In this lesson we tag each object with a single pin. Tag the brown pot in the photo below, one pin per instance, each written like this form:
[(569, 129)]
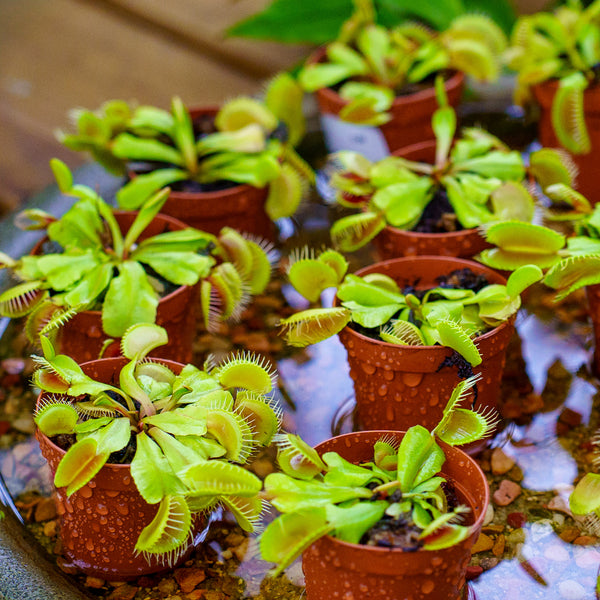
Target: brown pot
[(593, 295), (101, 522), (336, 569), (411, 113), (587, 163), (397, 387), (241, 207), (393, 242), (82, 336)]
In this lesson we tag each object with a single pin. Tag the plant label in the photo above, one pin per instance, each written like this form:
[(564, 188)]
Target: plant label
[(340, 135)]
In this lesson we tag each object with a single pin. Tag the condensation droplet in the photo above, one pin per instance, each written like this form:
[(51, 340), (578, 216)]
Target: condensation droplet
[(412, 379), (428, 587)]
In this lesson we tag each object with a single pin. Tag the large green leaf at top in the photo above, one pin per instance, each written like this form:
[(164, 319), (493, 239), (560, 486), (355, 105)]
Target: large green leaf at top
[(419, 458), (112, 437), (129, 300), (507, 166), (371, 316), (255, 170), (152, 473), (355, 288), (131, 147), (177, 422), (181, 268), (188, 239), (343, 472), (403, 203), (468, 213)]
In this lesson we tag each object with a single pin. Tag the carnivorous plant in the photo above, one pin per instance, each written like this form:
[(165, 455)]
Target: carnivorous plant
[(253, 143), (563, 45), (475, 179), (92, 265), (187, 435), (449, 316), (373, 64), (401, 487)]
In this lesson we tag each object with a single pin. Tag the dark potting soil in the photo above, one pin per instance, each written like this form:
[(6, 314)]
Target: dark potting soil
[(401, 531), (438, 216)]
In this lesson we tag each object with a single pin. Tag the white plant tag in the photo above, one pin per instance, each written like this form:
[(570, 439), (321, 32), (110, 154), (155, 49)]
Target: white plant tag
[(340, 135)]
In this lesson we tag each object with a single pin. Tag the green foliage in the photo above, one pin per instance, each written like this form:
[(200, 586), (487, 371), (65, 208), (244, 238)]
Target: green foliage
[(100, 268), (313, 22), (338, 498), (374, 63), (450, 317), (571, 262), (246, 147), (184, 432), (483, 180), (564, 46)]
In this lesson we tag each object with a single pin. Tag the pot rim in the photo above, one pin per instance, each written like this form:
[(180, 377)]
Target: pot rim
[(456, 79), (428, 349), (170, 220), (380, 550), (116, 359)]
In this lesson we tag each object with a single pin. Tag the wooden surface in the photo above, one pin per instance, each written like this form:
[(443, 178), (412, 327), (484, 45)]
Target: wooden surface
[(60, 54)]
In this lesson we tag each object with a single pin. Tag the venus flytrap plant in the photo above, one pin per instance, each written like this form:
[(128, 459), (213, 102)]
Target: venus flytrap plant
[(400, 487), (187, 435), (480, 179), (562, 46), (253, 144), (97, 267), (373, 64), (441, 315)]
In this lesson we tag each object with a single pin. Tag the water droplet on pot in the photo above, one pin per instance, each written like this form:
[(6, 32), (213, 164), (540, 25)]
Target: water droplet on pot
[(101, 508), (434, 401), (89, 544), (383, 355), (368, 369), (412, 379), (85, 491), (388, 375), (123, 509), (389, 413), (382, 390), (126, 480), (427, 587)]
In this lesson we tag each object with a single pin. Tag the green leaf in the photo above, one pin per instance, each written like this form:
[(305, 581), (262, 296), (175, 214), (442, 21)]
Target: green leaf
[(354, 231), (177, 422), (180, 268), (79, 227), (419, 458), (183, 135), (507, 166), (56, 418), (403, 203), (568, 117), (79, 465), (62, 271), (130, 147), (444, 128), (129, 300), (585, 498), (314, 325), (112, 437), (62, 174), (132, 195), (289, 535), (144, 217), (90, 287), (573, 273), (352, 522), (152, 472), (343, 473), (454, 336), (522, 278), (218, 477)]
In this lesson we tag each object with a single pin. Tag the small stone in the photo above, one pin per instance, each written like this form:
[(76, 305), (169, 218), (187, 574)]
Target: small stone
[(123, 592), (167, 586), (492, 528), (516, 519), (559, 504), (50, 528), (570, 417), (559, 519), (501, 463), (571, 590), (214, 595), (498, 548), (45, 510), (585, 540), (13, 366), (195, 595), (489, 515), (227, 554), (516, 537), (507, 492), (488, 563), (569, 534), (484, 542), (94, 582), (189, 578), (24, 424), (587, 558), (473, 572)]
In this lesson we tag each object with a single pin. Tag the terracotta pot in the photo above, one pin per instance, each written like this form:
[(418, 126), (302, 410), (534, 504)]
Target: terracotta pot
[(411, 114), (82, 336), (587, 163), (100, 523), (336, 569), (241, 207), (393, 242), (397, 387), (593, 295)]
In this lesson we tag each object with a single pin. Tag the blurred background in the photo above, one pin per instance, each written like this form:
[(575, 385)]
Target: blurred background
[(59, 54)]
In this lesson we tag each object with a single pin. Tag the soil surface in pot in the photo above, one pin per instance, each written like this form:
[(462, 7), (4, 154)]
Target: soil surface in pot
[(438, 216), (401, 531)]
